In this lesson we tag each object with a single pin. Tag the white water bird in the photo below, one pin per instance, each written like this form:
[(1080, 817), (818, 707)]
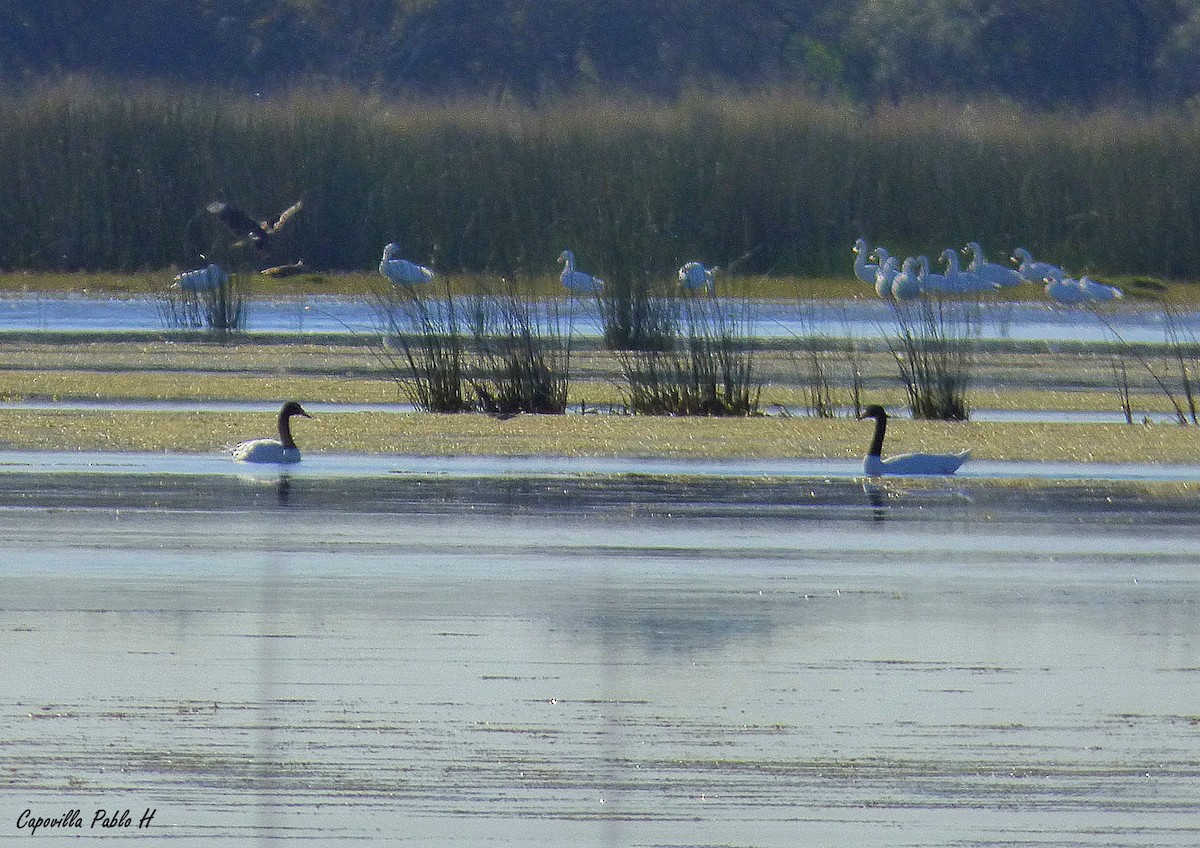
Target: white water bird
[(577, 281), (693, 276), (209, 278), (1031, 270), (1065, 290), (889, 267), (282, 450), (1099, 291), (960, 281), (990, 271), (906, 286), (874, 465), (400, 271), (863, 269), (932, 283)]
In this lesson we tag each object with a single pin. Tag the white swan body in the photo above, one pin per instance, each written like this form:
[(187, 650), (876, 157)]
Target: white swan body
[(577, 281), (931, 283), (1031, 270), (862, 269), (695, 277), (281, 451), (401, 272), (886, 275), (960, 281), (209, 278), (905, 464), (906, 286), (1065, 290), (1099, 291), (990, 271)]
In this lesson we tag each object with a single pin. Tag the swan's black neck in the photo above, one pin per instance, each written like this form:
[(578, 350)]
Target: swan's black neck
[(876, 448), (285, 430)]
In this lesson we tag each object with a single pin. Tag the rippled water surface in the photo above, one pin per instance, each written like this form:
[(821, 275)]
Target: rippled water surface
[(598, 658)]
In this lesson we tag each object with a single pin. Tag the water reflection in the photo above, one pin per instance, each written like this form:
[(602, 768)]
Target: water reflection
[(605, 660)]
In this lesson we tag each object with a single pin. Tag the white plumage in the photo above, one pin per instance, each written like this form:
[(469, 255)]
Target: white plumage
[(282, 450), (990, 271), (906, 286), (1033, 271), (400, 271), (874, 465), (209, 278), (1099, 291), (693, 276), (886, 275), (577, 281), (863, 269), (1083, 290)]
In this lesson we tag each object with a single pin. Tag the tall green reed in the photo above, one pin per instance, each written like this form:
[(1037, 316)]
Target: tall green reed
[(98, 178)]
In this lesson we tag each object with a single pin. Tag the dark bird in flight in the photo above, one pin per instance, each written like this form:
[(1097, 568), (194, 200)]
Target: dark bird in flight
[(255, 233)]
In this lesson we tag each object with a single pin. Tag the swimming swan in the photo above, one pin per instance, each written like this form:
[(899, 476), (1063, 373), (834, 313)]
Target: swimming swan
[(577, 281), (281, 450), (907, 463)]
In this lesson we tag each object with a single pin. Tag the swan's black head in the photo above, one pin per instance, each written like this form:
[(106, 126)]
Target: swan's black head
[(874, 411), (292, 408)]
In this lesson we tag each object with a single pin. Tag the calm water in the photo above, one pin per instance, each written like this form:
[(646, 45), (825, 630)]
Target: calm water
[(528, 658), (867, 317)]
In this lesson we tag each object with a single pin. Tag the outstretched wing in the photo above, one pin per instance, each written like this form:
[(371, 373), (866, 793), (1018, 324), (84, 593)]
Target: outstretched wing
[(283, 218), (239, 223)]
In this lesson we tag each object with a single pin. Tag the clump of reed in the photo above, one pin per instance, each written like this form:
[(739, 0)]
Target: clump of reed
[(932, 346), (220, 310), (521, 358), (101, 178), (1171, 372), (494, 352), (423, 343), (708, 370), (826, 363)]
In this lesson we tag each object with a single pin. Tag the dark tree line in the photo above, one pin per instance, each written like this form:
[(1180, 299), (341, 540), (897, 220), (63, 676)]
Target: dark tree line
[(1081, 53)]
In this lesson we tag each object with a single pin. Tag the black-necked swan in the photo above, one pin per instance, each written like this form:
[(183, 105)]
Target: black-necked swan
[(401, 272), (1033, 271), (577, 281), (245, 227), (874, 465), (990, 271), (282, 450), (693, 276)]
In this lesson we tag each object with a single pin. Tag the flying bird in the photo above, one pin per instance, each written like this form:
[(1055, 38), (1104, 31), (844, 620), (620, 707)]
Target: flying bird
[(255, 233)]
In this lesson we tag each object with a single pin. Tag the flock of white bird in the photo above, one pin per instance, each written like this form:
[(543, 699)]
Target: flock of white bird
[(913, 278), (693, 276)]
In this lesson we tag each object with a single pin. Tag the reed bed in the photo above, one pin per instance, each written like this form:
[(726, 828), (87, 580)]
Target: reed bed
[(104, 179)]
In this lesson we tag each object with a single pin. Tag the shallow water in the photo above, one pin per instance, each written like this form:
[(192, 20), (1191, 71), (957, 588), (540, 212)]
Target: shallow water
[(523, 657), (868, 318)]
